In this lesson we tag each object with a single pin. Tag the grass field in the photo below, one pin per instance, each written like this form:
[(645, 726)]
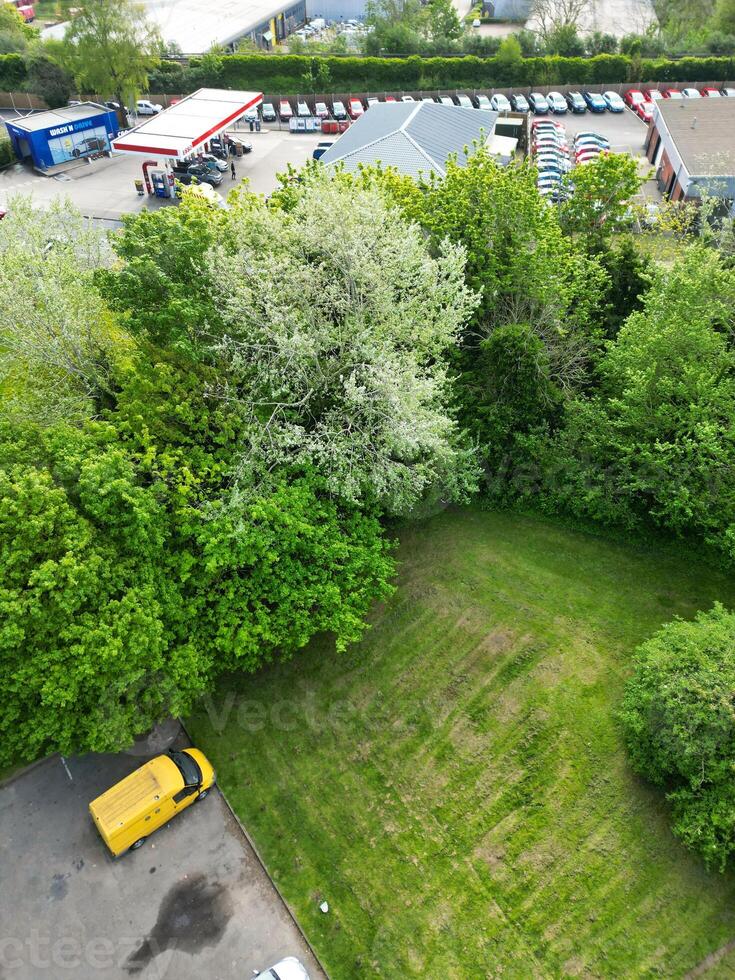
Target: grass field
[(455, 786)]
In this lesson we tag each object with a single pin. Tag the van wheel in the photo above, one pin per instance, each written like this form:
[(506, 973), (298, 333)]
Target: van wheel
[(139, 843), (204, 793)]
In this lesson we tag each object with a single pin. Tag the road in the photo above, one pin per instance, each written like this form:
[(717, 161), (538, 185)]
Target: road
[(193, 902)]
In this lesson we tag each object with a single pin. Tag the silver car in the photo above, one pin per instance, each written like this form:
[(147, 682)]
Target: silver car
[(286, 969)]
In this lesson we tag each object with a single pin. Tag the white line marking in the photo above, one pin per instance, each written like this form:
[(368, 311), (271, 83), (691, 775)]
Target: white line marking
[(63, 762)]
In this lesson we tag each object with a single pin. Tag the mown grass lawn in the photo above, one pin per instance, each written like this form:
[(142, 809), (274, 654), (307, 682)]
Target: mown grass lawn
[(455, 786)]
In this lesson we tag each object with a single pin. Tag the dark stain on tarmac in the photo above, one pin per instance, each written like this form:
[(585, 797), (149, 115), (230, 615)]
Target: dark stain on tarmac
[(59, 887), (193, 915)]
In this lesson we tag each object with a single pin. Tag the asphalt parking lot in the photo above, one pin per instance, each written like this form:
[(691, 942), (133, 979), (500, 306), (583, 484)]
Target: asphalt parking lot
[(105, 188), (192, 903)]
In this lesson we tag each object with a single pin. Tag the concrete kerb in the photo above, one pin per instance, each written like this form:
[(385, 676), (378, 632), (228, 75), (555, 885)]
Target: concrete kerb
[(263, 865)]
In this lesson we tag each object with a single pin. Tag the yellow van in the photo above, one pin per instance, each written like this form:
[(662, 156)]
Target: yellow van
[(149, 797)]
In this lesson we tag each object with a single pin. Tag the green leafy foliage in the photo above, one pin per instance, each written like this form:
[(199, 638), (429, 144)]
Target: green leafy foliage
[(679, 718)]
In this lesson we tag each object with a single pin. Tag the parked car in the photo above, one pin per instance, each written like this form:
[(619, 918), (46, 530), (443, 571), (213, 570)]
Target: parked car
[(548, 124), (302, 109), (672, 93), (645, 110), (464, 101), (588, 153), (111, 105), (595, 102), (482, 102), (446, 100), (557, 103), (633, 97), (268, 112), (372, 100), (519, 103), (355, 109), (145, 108), (709, 91), (214, 162), (538, 103), (390, 98), (576, 103), (285, 110), (204, 173), (320, 110), (407, 98), (613, 102), (729, 93), (691, 93), (339, 111), (321, 149), (287, 969), (589, 134), (127, 813), (499, 102), (427, 98)]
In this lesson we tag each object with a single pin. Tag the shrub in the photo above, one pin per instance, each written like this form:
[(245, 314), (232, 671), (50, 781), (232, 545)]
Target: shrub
[(679, 718), (6, 152)]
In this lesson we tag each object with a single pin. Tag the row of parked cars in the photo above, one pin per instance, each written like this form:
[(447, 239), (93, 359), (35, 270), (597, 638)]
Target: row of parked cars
[(556, 103), (554, 158)]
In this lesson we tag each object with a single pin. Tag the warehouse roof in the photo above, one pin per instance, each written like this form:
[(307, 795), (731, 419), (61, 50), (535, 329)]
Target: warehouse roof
[(179, 130), (57, 117), (704, 133), (413, 137)]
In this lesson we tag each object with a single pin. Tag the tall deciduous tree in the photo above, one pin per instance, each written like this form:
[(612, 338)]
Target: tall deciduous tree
[(110, 47)]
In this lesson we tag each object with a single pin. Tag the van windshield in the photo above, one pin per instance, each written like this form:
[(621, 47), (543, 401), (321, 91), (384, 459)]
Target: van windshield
[(188, 768)]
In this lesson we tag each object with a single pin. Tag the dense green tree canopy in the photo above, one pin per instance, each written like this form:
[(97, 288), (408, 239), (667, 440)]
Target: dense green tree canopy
[(679, 719)]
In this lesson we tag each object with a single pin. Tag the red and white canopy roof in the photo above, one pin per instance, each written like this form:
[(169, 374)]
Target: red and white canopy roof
[(179, 131)]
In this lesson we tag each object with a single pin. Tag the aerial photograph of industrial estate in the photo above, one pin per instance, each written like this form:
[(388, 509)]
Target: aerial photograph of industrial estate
[(367, 489)]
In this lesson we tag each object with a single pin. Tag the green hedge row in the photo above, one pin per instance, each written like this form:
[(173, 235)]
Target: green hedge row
[(285, 73)]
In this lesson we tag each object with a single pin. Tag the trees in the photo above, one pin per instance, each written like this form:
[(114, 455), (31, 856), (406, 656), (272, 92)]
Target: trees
[(548, 17), (598, 205), (679, 720), (110, 47), (342, 367)]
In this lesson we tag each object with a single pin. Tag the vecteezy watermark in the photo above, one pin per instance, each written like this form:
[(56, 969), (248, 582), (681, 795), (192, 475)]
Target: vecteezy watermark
[(40, 952)]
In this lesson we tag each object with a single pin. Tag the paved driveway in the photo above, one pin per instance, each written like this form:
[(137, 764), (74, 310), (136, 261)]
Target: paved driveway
[(193, 902)]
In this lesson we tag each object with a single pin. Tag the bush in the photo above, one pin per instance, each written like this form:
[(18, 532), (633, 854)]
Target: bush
[(6, 152), (12, 71), (679, 718)]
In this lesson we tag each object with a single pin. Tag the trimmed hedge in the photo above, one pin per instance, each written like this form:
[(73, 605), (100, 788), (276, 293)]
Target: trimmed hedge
[(285, 73), (12, 72)]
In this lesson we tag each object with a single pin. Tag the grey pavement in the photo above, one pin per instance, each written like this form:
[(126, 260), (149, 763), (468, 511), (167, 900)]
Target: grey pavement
[(105, 188), (192, 902)]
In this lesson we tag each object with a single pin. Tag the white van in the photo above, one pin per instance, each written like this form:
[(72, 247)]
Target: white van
[(145, 108)]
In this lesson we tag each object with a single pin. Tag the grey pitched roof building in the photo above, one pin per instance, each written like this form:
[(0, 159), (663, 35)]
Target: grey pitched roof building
[(414, 137)]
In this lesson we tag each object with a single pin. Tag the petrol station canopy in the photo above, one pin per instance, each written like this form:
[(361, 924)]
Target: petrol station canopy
[(182, 129)]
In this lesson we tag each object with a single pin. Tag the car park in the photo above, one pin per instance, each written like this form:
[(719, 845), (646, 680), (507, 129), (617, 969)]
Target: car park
[(519, 103), (691, 93), (710, 92), (672, 93), (355, 108), (595, 102), (652, 94), (537, 102), (320, 110), (284, 110), (268, 112), (557, 103), (339, 111), (302, 110), (464, 101), (499, 103), (644, 110), (145, 108), (633, 97), (613, 102), (576, 103)]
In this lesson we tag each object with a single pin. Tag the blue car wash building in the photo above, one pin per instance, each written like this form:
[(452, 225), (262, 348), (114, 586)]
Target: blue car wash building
[(58, 135)]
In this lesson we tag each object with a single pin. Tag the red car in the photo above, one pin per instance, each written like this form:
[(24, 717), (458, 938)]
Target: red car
[(713, 93), (652, 95), (355, 108), (672, 93), (389, 98), (284, 109), (633, 97), (645, 110)]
